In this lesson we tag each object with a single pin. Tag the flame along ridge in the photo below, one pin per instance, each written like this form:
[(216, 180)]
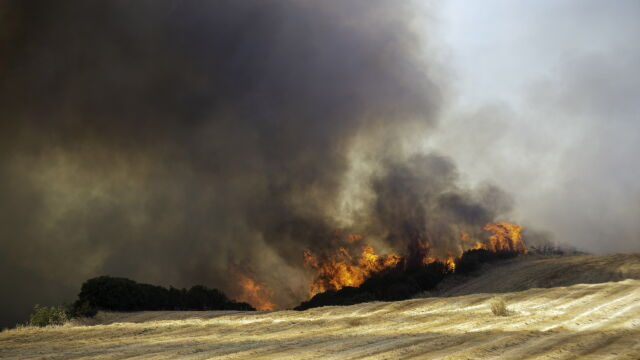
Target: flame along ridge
[(342, 269)]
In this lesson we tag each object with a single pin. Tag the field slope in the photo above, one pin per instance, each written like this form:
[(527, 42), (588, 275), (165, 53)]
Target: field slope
[(559, 309)]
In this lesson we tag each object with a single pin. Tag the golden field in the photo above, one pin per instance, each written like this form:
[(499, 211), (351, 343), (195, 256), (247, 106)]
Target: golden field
[(575, 307)]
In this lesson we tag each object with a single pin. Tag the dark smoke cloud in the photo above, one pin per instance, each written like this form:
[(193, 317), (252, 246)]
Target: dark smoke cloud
[(419, 199), (170, 141)]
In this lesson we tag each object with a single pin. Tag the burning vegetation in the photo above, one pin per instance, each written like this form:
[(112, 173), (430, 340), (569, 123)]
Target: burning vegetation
[(356, 272), (254, 293), (342, 278), (342, 269), (506, 237)]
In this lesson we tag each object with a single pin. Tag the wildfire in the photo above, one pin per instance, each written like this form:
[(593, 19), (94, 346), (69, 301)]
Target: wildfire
[(428, 260), (254, 293), (451, 263), (506, 237), (351, 238), (342, 269)]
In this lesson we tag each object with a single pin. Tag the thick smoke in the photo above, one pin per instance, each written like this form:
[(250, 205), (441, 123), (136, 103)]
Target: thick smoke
[(169, 142), (419, 199)]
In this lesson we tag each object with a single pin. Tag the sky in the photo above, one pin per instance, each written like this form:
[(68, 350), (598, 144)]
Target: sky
[(546, 106), (178, 143)]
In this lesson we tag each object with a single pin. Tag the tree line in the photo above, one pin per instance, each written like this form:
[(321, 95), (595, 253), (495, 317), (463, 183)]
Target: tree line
[(404, 282)]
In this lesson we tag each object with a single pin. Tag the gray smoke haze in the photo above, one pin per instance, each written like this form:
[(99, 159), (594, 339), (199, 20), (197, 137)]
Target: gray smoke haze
[(547, 108)]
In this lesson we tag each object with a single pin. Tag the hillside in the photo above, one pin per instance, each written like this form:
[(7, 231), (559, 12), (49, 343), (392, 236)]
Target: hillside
[(544, 272), (599, 317)]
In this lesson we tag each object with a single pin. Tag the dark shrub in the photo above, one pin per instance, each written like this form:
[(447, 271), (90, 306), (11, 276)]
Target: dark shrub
[(202, 298), (120, 294), (431, 275), (346, 296), (472, 260), (400, 284), (401, 290), (240, 306), (110, 293), (82, 309)]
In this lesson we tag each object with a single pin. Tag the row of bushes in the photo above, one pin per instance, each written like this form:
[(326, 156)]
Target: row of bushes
[(472, 260), (403, 282), (121, 294)]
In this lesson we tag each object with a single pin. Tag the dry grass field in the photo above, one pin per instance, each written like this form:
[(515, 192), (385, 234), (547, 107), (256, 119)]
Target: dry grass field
[(577, 307)]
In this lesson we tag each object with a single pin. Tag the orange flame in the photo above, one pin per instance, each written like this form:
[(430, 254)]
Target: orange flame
[(451, 263), (506, 237), (254, 293), (351, 238), (428, 260), (342, 269)]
